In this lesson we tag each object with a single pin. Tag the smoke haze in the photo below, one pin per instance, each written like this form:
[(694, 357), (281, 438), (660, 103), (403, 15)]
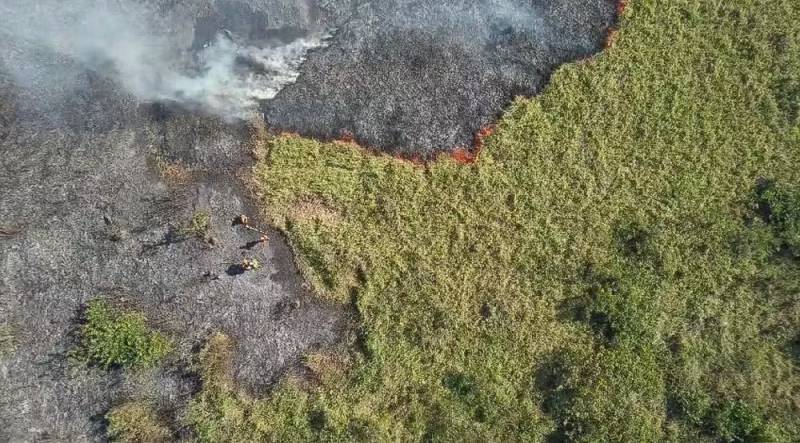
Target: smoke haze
[(121, 40)]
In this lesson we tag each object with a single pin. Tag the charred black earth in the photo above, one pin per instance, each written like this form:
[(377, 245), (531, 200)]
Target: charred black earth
[(418, 77)]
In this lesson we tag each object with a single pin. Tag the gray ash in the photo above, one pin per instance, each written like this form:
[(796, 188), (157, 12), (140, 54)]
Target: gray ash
[(413, 77)]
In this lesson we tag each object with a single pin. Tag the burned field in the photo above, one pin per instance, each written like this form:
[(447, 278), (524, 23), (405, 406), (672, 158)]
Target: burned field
[(418, 78), (621, 264), (135, 205), (108, 197)]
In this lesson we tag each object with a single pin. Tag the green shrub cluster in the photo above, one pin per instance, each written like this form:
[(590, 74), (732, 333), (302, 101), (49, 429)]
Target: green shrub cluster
[(199, 225), (780, 205), (736, 421), (112, 337), (137, 422)]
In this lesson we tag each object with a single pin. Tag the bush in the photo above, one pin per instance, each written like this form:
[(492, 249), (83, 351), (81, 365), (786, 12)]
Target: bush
[(110, 337), (136, 422), (737, 422), (199, 225), (692, 403), (780, 205)]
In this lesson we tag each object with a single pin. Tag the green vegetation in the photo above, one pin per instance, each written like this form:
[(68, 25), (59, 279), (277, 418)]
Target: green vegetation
[(780, 206), (199, 225), (738, 422), (137, 422), (111, 337), (600, 274), (220, 412), (6, 340)]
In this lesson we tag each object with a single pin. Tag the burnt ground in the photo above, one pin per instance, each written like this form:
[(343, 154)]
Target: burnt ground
[(419, 77), (95, 185), (91, 215)]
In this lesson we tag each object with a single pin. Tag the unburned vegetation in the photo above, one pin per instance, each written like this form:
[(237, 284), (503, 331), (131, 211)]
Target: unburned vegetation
[(111, 336), (620, 264), (137, 422)]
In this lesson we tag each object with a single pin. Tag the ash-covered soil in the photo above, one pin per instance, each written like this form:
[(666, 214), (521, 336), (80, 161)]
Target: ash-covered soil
[(420, 77), (94, 187), (95, 183)]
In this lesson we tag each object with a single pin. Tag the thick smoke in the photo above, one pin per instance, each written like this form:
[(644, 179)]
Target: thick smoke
[(123, 40)]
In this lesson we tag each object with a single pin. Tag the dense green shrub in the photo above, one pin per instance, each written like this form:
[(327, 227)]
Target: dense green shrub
[(199, 225), (692, 405), (781, 206), (137, 422), (737, 422), (111, 337)]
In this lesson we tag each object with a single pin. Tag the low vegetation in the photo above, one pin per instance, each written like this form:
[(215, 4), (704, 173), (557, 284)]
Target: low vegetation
[(199, 225), (137, 422), (6, 340), (112, 337), (612, 268), (780, 207)]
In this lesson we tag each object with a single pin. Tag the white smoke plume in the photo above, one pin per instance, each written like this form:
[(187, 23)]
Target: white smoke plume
[(232, 79), (122, 39)]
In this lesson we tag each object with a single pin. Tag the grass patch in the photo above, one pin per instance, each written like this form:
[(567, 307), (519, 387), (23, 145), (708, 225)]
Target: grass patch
[(603, 232), (221, 412), (7, 345), (736, 421), (111, 337), (199, 225), (137, 422), (780, 207)]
